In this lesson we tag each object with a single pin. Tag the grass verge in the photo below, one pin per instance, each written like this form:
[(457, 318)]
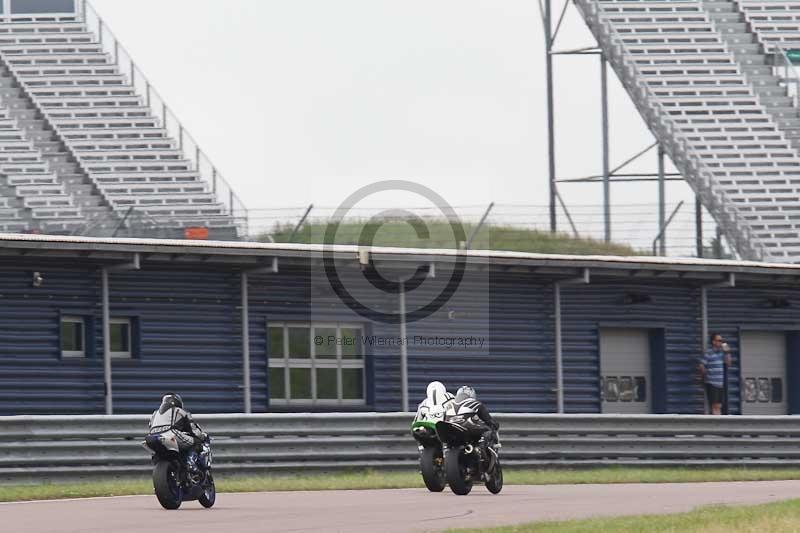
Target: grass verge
[(440, 235), (370, 479), (770, 517)]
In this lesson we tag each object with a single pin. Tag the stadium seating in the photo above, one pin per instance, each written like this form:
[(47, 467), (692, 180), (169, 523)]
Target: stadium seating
[(776, 23), (80, 148), (707, 89)]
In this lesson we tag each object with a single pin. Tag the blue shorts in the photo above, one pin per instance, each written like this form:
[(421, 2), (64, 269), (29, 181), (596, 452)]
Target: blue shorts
[(715, 394)]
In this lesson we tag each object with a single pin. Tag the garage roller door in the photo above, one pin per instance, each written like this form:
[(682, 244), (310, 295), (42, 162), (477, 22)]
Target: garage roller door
[(625, 370), (763, 384)]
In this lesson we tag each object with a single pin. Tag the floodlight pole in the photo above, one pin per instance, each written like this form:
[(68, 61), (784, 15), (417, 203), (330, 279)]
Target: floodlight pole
[(551, 139), (606, 171)]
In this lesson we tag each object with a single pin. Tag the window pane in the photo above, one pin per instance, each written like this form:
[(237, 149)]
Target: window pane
[(626, 389), (326, 384), (351, 343), (325, 343), (777, 390), (640, 391), (300, 383), (612, 389), (71, 336), (300, 343), (352, 384), (120, 337), (276, 343), (277, 383)]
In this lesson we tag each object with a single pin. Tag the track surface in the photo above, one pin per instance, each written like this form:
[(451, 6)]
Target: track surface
[(386, 511)]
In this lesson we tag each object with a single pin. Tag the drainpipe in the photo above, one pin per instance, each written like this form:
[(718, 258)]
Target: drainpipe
[(559, 390), (248, 408), (106, 343), (271, 268), (728, 283), (134, 264), (403, 350)]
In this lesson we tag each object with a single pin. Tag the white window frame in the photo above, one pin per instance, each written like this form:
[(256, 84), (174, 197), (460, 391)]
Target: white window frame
[(72, 319), (286, 363), (124, 354)]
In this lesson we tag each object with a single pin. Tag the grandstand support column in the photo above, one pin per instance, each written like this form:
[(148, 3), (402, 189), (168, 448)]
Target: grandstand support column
[(662, 204), (551, 139), (606, 171), (248, 408)]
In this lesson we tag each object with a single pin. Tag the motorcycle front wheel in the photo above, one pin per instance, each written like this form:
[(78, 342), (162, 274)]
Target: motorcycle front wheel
[(431, 463), (167, 485), (457, 476), (209, 494)]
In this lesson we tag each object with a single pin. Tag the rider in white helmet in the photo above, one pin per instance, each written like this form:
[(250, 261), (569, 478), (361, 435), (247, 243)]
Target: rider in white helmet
[(434, 406)]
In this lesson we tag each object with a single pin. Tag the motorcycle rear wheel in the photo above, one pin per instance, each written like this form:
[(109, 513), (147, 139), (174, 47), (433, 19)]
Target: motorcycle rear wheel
[(457, 477), (495, 482), (167, 485), (209, 494), (431, 462)]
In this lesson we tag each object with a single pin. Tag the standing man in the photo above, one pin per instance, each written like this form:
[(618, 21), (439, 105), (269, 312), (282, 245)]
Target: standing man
[(713, 366)]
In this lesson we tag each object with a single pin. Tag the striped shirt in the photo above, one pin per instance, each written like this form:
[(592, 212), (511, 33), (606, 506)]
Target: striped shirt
[(714, 361)]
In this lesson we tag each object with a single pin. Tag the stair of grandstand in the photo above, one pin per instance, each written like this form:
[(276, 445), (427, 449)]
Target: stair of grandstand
[(708, 92), (93, 127)]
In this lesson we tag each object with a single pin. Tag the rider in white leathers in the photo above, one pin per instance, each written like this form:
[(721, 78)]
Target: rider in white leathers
[(436, 403)]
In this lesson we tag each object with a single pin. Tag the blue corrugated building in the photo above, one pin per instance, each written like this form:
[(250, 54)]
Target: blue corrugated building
[(532, 333)]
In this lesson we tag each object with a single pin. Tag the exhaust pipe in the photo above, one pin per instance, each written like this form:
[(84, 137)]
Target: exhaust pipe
[(492, 460)]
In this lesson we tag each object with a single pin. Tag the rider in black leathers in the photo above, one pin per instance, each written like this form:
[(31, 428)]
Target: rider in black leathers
[(467, 397)]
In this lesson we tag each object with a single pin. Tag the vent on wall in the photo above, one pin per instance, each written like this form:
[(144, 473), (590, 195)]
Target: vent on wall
[(777, 302), (635, 298)]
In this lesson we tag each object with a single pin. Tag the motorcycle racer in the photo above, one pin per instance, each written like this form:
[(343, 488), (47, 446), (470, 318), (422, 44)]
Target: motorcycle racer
[(436, 403), (467, 398), (171, 415)]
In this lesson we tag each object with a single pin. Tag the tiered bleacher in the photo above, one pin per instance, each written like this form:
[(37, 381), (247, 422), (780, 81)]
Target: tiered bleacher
[(716, 102), (112, 144), (775, 22)]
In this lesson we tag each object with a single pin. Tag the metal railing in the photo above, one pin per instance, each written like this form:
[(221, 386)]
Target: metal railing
[(674, 142), (787, 74), (74, 447), (169, 121)]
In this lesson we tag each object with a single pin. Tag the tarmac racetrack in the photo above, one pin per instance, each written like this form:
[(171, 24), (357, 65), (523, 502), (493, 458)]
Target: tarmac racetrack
[(385, 511)]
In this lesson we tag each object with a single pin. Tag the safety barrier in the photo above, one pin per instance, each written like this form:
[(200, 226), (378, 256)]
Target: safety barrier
[(75, 447)]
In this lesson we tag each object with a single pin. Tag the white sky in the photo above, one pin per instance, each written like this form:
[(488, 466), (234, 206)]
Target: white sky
[(301, 101)]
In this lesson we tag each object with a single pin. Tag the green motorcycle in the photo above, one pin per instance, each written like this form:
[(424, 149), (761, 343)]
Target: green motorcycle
[(431, 453)]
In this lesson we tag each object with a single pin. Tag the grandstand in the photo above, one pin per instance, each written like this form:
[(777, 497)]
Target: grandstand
[(713, 82), (85, 148)]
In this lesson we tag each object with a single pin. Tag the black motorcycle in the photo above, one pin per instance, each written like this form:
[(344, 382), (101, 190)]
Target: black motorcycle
[(180, 477), (466, 461)]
